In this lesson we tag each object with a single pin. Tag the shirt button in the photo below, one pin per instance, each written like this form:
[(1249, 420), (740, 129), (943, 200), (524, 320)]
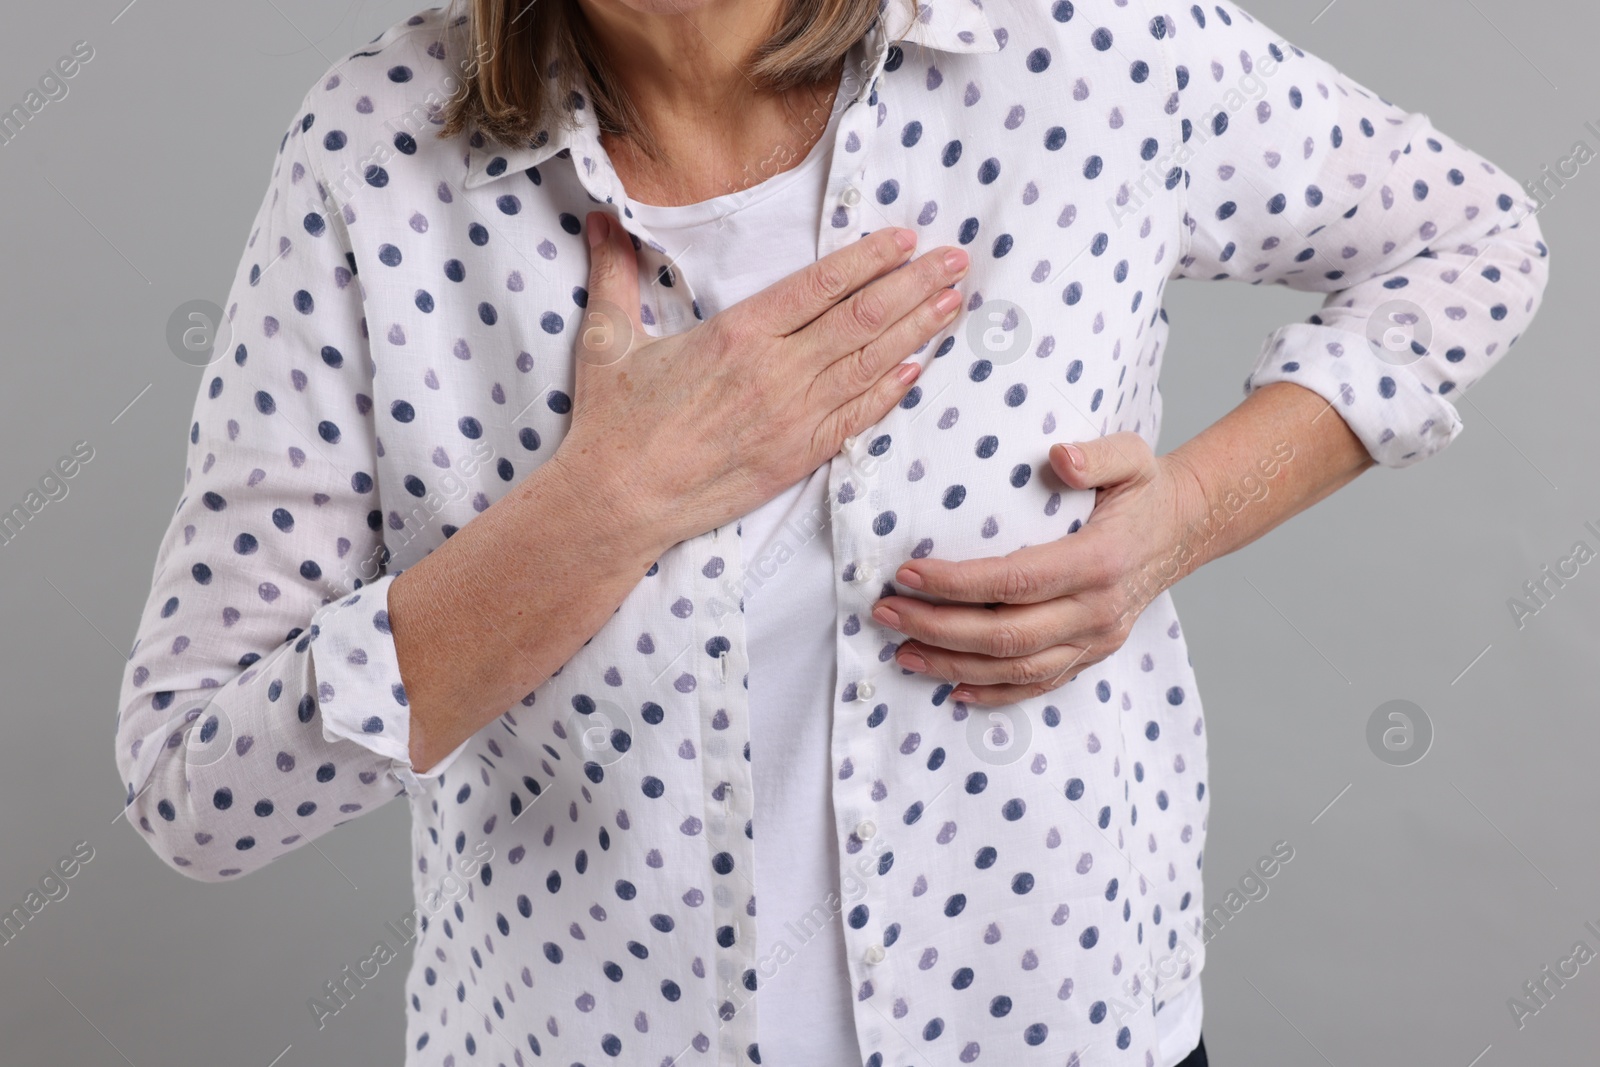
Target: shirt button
[(866, 830), (874, 954), (864, 690), (851, 196)]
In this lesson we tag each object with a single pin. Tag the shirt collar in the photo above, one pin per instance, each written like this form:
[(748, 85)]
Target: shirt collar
[(957, 26)]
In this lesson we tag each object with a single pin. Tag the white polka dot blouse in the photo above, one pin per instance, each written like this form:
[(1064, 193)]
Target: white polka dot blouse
[(399, 355)]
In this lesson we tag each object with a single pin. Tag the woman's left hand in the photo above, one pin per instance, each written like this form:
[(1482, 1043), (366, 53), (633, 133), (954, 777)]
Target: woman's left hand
[(1028, 622)]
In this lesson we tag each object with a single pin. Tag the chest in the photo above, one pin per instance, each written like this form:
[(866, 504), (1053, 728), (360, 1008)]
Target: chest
[(1048, 180)]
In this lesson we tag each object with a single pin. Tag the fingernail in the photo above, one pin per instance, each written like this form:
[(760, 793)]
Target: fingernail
[(911, 661), (886, 615), (907, 372), (954, 259), (905, 239), (963, 695), (1075, 457), (947, 301), (910, 578), (599, 228)]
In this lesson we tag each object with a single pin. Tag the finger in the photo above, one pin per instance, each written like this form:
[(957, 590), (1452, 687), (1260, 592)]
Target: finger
[(998, 696), (610, 322), (846, 378), (1076, 563), (1006, 631), (791, 303), (866, 409), (1103, 461), (1041, 671), (868, 313)]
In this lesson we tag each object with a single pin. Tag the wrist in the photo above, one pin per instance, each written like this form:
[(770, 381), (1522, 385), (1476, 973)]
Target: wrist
[(1191, 511), (619, 513)]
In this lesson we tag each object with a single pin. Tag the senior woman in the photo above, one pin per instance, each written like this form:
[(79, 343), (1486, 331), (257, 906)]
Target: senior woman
[(701, 453)]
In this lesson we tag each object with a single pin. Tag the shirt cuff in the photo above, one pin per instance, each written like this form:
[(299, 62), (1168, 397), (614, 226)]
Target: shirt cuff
[(1398, 417), (360, 695)]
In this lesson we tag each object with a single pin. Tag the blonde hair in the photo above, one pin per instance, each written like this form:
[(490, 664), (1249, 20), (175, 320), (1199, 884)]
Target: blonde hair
[(504, 94)]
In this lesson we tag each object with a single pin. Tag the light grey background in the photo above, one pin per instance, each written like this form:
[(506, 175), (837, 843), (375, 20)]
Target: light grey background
[(1415, 905)]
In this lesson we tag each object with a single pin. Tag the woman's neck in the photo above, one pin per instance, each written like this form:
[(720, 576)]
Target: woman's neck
[(682, 58), (683, 67)]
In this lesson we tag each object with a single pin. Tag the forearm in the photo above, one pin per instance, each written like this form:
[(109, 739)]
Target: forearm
[(489, 615), (1280, 451)]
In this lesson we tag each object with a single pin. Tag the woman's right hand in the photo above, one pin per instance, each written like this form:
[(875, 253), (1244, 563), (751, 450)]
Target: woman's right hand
[(706, 425)]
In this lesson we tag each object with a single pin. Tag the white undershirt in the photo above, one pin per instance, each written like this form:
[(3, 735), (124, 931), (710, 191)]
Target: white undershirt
[(730, 247)]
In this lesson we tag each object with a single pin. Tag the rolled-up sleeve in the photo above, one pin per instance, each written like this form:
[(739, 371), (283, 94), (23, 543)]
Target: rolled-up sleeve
[(1430, 256), (262, 703)]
